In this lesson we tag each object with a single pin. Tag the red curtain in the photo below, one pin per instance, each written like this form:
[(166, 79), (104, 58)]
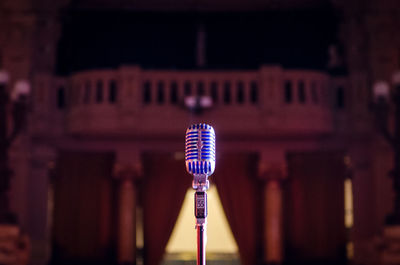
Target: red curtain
[(164, 188), (314, 211), (82, 227), (239, 191)]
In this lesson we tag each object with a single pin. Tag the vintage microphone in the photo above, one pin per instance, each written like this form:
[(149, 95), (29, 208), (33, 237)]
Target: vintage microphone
[(200, 162)]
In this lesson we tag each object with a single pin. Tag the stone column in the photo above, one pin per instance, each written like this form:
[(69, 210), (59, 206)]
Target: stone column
[(40, 203), (127, 174), (273, 173), (126, 222), (366, 227), (273, 222)]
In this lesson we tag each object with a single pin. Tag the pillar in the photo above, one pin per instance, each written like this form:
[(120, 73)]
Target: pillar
[(273, 173), (126, 222), (273, 221), (39, 204), (127, 174), (366, 225)]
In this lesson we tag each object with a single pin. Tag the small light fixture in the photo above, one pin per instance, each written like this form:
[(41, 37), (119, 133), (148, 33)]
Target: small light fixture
[(190, 102), (197, 104), (4, 77), (396, 78), (381, 90), (206, 102), (22, 88)]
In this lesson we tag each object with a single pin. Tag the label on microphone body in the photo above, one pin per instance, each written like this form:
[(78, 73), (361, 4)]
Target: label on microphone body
[(200, 200)]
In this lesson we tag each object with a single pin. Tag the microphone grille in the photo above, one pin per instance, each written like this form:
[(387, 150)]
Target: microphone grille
[(200, 149)]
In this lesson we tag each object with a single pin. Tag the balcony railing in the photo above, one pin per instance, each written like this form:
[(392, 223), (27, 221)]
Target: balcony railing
[(131, 99)]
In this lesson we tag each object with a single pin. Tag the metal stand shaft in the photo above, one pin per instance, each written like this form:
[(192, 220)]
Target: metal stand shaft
[(201, 244)]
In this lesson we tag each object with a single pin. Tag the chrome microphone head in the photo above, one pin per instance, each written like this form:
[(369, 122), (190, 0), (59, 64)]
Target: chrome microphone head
[(200, 151)]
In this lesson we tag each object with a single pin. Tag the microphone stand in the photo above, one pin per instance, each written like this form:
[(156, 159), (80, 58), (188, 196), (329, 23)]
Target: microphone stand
[(201, 185)]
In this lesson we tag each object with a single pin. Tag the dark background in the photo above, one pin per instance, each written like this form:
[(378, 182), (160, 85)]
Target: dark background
[(243, 40)]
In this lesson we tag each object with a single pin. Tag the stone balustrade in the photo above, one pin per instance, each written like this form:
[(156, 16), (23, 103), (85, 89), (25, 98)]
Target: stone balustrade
[(270, 100)]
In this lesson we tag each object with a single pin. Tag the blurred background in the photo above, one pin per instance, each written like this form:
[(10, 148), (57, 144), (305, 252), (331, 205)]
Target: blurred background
[(96, 95)]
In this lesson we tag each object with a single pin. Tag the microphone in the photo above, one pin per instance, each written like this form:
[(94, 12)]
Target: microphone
[(200, 153), (200, 162)]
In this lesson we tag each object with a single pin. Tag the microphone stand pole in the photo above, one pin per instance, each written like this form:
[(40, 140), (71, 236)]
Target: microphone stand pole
[(201, 244), (200, 204)]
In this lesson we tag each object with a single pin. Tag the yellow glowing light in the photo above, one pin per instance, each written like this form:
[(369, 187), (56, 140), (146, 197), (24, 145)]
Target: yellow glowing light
[(219, 235), (348, 204), (350, 250)]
